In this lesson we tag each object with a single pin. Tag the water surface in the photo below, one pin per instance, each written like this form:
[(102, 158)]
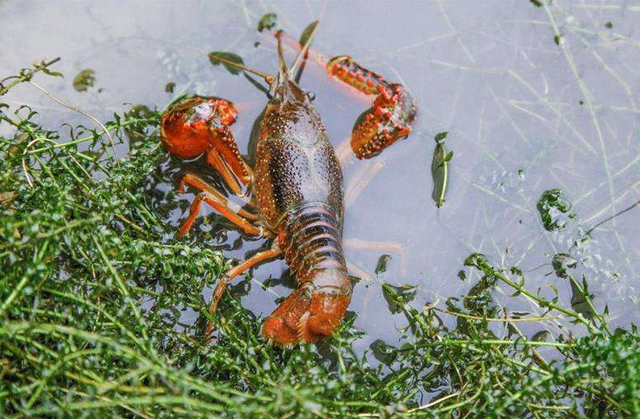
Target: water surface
[(532, 99)]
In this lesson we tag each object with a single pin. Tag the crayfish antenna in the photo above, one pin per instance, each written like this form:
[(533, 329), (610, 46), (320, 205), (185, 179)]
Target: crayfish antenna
[(281, 86), (301, 58), (267, 77)]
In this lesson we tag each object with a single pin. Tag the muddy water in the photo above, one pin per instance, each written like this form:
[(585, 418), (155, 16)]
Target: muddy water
[(532, 100)]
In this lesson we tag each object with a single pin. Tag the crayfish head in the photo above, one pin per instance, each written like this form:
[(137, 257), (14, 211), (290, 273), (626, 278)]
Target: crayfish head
[(307, 315), (188, 126)]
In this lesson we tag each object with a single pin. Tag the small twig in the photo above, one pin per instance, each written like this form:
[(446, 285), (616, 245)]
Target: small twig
[(488, 270), (25, 76), (490, 342), (25, 166), (629, 208), (83, 139), (303, 53), (267, 77), (435, 402), (536, 355), (494, 319), (72, 108)]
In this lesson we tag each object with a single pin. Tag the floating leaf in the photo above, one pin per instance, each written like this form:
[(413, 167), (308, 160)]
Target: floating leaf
[(537, 3), (226, 59), (20, 139), (557, 39), (478, 260), (306, 34), (560, 263), (170, 87), (267, 21), (579, 300), (440, 169), (135, 132), (552, 206), (241, 289), (7, 197), (382, 351), (441, 136), (608, 25), (397, 297), (84, 80), (381, 267), (479, 299)]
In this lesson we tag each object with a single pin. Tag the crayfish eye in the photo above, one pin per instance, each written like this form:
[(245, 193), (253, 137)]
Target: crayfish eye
[(201, 112), (308, 289)]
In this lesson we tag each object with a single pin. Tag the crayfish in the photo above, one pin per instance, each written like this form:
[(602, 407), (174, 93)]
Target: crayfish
[(294, 189)]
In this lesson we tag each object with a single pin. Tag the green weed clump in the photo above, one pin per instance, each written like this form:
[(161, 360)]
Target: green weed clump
[(93, 288)]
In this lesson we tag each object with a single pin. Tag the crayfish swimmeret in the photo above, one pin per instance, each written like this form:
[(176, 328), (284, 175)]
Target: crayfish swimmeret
[(295, 187)]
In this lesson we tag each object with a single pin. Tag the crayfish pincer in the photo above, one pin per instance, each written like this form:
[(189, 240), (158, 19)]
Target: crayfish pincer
[(293, 195), (391, 115)]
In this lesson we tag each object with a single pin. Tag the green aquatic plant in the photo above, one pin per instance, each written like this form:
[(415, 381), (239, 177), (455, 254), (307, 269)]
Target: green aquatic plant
[(308, 32), (381, 266), (440, 169), (554, 209), (84, 80), (227, 59), (94, 290), (267, 21)]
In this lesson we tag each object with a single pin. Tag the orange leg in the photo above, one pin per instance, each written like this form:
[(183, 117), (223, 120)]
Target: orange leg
[(215, 159), (240, 217), (199, 183), (226, 279), (344, 153), (361, 179), (223, 209), (387, 247), (357, 271)]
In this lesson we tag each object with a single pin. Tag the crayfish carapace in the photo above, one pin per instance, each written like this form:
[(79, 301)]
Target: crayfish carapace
[(294, 190)]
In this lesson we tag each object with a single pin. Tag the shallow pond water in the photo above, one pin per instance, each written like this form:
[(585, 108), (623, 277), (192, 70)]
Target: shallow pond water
[(532, 100)]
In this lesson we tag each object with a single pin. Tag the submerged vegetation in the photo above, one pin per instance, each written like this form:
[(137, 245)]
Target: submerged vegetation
[(93, 288)]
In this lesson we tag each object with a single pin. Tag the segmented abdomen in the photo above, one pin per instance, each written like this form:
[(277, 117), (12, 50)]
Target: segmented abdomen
[(310, 237), (353, 74)]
